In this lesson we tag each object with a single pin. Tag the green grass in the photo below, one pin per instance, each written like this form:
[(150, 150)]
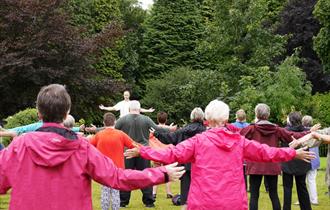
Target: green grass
[(163, 203)]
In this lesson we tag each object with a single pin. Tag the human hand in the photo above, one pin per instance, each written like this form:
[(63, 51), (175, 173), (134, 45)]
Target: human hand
[(91, 129), (173, 127), (151, 110), (315, 127), (101, 106), (304, 155), (174, 172), (294, 143), (152, 130), (132, 153), (316, 135)]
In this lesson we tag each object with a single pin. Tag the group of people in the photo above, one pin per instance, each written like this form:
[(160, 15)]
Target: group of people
[(213, 155)]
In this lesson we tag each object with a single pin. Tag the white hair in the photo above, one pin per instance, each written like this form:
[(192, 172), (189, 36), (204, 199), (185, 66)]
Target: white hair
[(69, 121), (134, 105), (262, 111), (197, 115), (217, 111)]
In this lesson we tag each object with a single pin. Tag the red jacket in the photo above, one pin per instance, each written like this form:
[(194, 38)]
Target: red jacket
[(269, 134), (217, 180)]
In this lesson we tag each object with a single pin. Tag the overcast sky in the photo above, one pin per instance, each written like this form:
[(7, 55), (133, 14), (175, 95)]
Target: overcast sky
[(146, 3)]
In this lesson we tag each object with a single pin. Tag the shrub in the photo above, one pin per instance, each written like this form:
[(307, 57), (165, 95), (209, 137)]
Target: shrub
[(25, 117)]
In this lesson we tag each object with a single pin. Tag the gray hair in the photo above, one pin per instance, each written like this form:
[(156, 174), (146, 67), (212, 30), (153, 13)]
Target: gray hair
[(240, 115), (197, 115), (134, 105), (69, 121), (307, 121), (217, 111), (262, 111)]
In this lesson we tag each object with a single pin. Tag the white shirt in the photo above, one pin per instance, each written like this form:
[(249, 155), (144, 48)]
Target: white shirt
[(123, 107)]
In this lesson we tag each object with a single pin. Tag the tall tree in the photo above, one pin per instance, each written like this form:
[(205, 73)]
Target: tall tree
[(172, 31), (298, 22), (322, 41), (39, 46)]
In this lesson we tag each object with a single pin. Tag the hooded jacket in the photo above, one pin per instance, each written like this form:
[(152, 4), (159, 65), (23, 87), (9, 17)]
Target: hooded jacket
[(46, 170), (265, 132), (217, 155)]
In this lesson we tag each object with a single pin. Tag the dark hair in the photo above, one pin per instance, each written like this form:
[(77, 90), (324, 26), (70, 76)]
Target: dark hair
[(162, 117), (53, 103), (109, 119), (295, 119)]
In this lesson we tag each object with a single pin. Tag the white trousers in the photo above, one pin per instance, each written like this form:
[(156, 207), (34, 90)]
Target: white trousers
[(311, 185)]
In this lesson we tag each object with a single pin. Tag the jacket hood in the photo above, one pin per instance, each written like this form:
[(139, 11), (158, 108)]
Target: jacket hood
[(49, 149), (223, 138), (266, 129)]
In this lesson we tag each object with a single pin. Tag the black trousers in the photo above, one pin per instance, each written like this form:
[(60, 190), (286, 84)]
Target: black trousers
[(137, 163), (255, 182), (302, 192), (184, 186)]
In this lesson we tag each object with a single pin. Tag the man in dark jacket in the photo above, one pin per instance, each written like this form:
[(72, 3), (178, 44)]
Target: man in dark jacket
[(196, 126)]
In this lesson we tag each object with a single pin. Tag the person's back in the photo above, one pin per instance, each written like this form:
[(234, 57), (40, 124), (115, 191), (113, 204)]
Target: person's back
[(111, 142), (136, 126)]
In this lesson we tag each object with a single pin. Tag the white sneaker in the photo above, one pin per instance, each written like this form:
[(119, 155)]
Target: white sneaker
[(296, 203)]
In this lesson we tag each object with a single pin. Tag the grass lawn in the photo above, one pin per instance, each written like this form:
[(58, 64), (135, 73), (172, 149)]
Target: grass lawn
[(163, 203)]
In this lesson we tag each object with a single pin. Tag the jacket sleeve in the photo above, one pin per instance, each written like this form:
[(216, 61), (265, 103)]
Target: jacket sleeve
[(182, 153), (102, 170), (287, 135), (170, 137), (246, 131), (5, 161), (255, 151)]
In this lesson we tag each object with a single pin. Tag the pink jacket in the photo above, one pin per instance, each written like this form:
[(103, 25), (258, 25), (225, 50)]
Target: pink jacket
[(47, 171), (217, 180)]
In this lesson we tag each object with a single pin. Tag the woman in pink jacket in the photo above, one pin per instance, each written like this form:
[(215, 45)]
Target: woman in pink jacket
[(217, 157), (52, 168)]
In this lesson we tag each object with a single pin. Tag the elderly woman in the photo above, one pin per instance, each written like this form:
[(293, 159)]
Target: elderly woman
[(196, 126), (217, 161), (268, 133)]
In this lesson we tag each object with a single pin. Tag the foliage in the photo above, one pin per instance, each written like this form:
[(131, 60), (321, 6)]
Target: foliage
[(289, 91), (238, 40), (322, 41), (25, 117), (320, 108), (171, 34), (298, 21), (39, 46), (179, 91)]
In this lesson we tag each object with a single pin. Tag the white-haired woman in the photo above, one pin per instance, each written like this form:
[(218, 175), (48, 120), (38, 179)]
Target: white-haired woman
[(217, 161)]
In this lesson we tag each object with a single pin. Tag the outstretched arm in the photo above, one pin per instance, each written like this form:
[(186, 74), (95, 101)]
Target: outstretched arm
[(182, 153), (255, 151), (107, 108), (103, 170), (147, 110)]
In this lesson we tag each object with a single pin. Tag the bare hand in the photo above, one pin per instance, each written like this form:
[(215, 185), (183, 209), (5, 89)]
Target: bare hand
[(316, 135), (101, 106), (91, 129), (304, 155), (294, 143), (152, 130), (315, 127), (173, 127), (174, 172), (151, 110), (132, 153)]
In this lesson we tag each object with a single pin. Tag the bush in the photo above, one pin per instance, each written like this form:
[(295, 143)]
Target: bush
[(25, 117)]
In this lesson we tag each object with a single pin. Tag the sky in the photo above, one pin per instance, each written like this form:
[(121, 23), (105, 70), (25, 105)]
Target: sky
[(146, 3)]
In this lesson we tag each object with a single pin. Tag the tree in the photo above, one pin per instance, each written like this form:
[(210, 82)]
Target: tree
[(171, 34), (39, 46), (179, 91), (298, 22), (322, 41)]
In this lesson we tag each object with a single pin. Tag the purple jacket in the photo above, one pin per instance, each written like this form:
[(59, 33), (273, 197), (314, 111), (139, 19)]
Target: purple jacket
[(217, 180), (47, 171)]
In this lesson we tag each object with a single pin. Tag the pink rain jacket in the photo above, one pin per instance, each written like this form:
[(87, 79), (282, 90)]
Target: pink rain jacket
[(47, 171), (217, 180)]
